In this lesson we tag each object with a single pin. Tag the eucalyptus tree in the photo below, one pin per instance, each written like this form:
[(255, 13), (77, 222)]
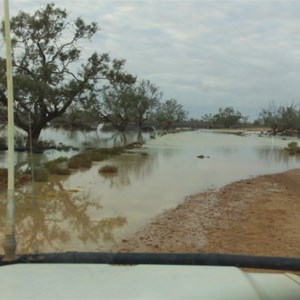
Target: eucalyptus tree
[(225, 117), (280, 118), (147, 97), (169, 113), (116, 102), (228, 117), (47, 77), (289, 118), (270, 117)]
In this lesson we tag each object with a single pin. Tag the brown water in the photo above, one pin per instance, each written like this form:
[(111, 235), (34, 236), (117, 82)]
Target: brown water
[(90, 212)]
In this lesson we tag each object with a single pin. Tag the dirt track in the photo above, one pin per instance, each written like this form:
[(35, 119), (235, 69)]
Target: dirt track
[(259, 216)]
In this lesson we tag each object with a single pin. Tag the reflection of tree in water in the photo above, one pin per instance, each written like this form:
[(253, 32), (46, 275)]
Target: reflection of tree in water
[(128, 137), (274, 155), (57, 219), (119, 139), (23, 159), (138, 164)]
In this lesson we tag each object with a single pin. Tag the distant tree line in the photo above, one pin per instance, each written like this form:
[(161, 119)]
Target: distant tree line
[(225, 118), (283, 118)]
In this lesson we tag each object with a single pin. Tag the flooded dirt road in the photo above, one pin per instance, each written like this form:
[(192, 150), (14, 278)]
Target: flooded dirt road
[(89, 211), (258, 216)]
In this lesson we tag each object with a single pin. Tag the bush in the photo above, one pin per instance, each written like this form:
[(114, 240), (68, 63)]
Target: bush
[(144, 154), (81, 160), (111, 151), (293, 148), (58, 166), (101, 154), (21, 178), (40, 174), (97, 155), (292, 144), (108, 169)]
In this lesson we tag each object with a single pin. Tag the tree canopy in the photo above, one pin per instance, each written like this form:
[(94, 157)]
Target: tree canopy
[(280, 118), (169, 113), (147, 98), (116, 104), (52, 77), (47, 78), (226, 117)]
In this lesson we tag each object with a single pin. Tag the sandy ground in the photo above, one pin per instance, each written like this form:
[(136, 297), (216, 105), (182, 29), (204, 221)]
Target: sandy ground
[(259, 216)]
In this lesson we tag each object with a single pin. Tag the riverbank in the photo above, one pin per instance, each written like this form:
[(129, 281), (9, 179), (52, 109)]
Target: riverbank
[(258, 216)]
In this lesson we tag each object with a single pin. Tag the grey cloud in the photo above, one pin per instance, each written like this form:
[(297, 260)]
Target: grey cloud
[(207, 54)]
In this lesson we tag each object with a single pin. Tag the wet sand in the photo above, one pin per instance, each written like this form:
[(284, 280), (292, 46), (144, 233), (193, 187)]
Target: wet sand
[(257, 216)]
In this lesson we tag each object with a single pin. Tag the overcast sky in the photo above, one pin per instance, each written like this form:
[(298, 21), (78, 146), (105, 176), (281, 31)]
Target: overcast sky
[(205, 54)]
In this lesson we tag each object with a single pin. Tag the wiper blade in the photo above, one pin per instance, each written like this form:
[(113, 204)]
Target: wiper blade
[(194, 259)]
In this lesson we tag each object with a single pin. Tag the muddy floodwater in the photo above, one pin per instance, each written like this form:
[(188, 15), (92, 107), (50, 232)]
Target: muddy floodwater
[(87, 211)]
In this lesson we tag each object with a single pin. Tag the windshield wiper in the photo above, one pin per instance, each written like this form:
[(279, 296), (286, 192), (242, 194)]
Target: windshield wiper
[(196, 259)]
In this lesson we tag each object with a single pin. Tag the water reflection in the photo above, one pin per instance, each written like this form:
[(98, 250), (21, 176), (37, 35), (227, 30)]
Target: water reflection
[(95, 138), (54, 219), (276, 156), (138, 164), (82, 140)]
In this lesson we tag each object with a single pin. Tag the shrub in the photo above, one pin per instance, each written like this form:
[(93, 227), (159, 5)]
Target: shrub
[(81, 160), (40, 174), (144, 154), (292, 144), (134, 145), (97, 155), (58, 166), (111, 151), (84, 159), (103, 153), (293, 148), (108, 169), (20, 140)]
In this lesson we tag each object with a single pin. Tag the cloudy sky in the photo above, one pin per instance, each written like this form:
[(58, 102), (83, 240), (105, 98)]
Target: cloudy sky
[(205, 54)]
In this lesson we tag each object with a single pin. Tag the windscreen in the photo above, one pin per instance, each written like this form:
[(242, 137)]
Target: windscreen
[(153, 126)]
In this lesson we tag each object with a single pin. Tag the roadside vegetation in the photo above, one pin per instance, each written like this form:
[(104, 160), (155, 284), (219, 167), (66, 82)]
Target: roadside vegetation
[(281, 119), (64, 165), (293, 148), (108, 169)]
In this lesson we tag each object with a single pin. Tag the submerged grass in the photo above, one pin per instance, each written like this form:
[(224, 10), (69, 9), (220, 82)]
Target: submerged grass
[(108, 169), (58, 166), (62, 165), (85, 159), (21, 178), (81, 160), (101, 154), (40, 174)]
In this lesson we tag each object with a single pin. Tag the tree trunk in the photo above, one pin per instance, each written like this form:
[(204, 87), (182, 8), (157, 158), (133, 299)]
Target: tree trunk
[(140, 136), (35, 134)]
